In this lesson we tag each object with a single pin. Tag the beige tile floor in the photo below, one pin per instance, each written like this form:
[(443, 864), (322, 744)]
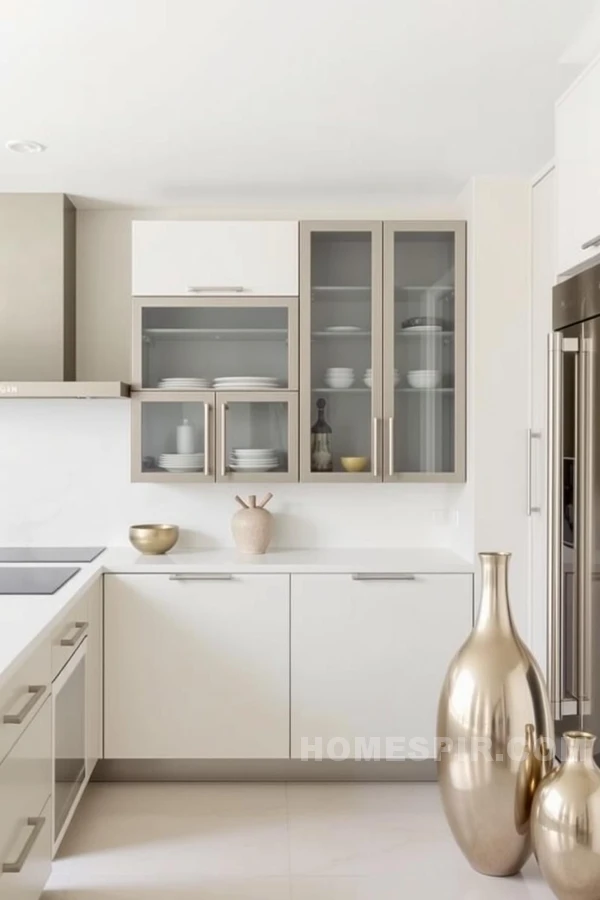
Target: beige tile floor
[(270, 842)]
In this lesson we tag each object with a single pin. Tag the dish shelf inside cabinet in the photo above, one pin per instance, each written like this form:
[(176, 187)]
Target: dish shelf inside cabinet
[(213, 342)]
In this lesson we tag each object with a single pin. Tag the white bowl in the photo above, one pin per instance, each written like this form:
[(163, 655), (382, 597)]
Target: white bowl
[(344, 369), (339, 382), (424, 379), (248, 453)]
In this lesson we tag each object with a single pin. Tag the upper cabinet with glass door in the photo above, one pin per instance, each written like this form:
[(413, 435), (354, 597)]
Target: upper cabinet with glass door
[(215, 343), (424, 351), (340, 351)]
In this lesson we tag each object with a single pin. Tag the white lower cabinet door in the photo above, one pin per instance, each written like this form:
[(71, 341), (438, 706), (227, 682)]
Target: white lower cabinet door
[(26, 813), (368, 658), (93, 679), (196, 667)]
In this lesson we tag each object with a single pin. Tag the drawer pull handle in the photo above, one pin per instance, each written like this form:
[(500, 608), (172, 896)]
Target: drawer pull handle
[(215, 289), (80, 630), (218, 576), (37, 823), (384, 576), (35, 693), (594, 242)]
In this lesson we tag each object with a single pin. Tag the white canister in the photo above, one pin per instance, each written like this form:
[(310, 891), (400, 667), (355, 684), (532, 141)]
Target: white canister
[(185, 438)]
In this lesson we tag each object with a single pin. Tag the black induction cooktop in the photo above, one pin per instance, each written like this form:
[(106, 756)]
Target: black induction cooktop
[(34, 579), (49, 554)]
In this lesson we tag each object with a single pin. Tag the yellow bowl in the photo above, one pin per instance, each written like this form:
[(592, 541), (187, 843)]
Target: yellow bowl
[(354, 463), (153, 539)]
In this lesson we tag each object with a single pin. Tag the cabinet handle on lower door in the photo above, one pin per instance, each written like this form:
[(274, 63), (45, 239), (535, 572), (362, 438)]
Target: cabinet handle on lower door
[(207, 409), (13, 868), (391, 445), (35, 692), (80, 630), (223, 460), (384, 576), (375, 466), (217, 576)]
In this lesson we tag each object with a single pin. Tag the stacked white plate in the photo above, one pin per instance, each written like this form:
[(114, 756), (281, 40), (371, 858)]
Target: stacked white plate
[(184, 384), (245, 383), (182, 462), (242, 460)]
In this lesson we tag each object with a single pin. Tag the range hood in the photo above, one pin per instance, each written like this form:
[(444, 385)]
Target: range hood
[(37, 301)]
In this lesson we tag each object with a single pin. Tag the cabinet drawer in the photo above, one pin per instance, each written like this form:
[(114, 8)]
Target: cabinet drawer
[(35, 842), (215, 258), (25, 786), (68, 635), (23, 697)]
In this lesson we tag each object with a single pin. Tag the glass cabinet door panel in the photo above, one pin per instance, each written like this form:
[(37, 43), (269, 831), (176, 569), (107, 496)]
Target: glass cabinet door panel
[(257, 437), (341, 350), (199, 343), (171, 439), (424, 351)]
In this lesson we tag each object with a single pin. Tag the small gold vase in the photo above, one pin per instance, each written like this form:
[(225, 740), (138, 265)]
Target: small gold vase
[(565, 822), (494, 727)]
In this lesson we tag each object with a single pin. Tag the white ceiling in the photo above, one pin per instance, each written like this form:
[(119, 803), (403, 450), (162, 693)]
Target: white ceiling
[(185, 102)]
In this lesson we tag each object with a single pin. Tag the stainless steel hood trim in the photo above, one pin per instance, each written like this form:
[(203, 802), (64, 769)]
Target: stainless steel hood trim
[(61, 390)]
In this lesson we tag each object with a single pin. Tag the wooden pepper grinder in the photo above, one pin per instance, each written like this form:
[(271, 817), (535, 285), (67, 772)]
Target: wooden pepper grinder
[(252, 526)]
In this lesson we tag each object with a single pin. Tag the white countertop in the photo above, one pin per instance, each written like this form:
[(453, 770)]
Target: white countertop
[(27, 620)]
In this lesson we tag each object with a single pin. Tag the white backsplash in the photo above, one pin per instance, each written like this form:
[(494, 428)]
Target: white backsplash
[(64, 479)]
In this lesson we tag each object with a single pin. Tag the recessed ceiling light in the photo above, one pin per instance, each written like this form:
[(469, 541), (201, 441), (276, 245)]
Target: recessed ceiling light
[(25, 146)]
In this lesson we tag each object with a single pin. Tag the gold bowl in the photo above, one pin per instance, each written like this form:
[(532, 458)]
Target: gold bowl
[(153, 539), (354, 463)]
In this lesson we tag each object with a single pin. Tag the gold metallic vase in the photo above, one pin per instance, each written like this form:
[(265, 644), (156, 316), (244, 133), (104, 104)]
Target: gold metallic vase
[(494, 732), (565, 822)]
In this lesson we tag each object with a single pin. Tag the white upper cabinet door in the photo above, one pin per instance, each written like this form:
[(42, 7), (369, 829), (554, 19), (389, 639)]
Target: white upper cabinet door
[(196, 668), (215, 258), (578, 170), (369, 658)]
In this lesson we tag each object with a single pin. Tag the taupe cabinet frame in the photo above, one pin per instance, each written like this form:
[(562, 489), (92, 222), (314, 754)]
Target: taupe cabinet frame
[(195, 302), (217, 406), (383, 349), (307, 229), (458, 228)]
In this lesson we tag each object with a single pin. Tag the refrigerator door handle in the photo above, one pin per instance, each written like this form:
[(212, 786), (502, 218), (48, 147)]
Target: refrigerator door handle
[(531, 506), (583, 525), (557, 345)]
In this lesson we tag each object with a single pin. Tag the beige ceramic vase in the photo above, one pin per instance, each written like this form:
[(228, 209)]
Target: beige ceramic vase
[(565, 822), (493, 716), (252, 526)]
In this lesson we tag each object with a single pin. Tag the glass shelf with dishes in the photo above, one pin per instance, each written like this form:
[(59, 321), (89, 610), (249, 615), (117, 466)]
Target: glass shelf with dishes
[(224, 343), (340, 322), (424, 334)]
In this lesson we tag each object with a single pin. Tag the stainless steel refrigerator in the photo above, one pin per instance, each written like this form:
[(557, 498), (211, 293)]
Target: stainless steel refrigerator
[(574, 506)]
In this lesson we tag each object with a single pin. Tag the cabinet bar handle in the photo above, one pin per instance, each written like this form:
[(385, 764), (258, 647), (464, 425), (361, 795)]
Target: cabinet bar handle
[(531, 436), (201, 576), (391, 446), (375, 447), (223, 460), (384, 576), (215, 289), (594, 242), (13, 868), (36, 691), (80, 630), (206, 440)]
